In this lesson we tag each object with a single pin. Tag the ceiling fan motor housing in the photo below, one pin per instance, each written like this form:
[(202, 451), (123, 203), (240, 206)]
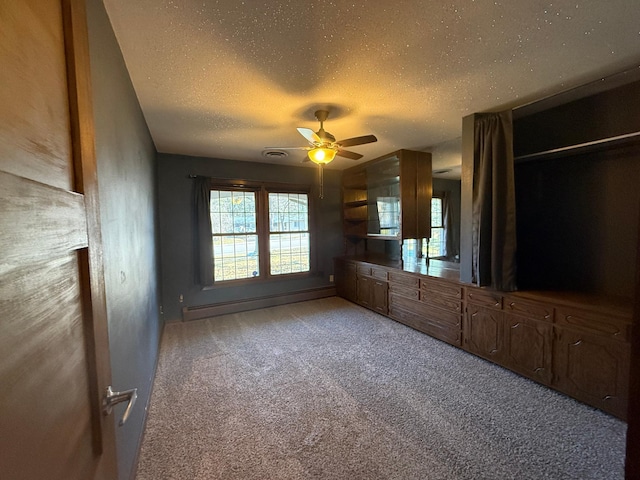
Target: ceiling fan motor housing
[(325, 136)]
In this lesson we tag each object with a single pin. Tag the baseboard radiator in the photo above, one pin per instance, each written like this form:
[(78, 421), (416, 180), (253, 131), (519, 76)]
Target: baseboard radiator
[(205, 311)]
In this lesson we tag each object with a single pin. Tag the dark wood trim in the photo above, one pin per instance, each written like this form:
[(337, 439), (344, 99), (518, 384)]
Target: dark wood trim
[(86, 183), (205, 311)]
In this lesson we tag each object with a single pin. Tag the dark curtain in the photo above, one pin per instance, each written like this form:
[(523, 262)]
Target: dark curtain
[(204, 244), (494, 206)]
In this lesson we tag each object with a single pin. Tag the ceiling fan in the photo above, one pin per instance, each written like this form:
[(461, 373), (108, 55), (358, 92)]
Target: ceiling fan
[(323, 146)]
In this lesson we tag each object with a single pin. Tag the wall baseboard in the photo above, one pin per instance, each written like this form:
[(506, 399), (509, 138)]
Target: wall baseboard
[(205, 311)]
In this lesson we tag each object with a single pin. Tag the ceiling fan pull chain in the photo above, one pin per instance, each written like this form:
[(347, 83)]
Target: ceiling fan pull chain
[(321, 176)]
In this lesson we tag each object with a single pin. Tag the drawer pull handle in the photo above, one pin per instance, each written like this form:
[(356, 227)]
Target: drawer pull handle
[(576, 343)]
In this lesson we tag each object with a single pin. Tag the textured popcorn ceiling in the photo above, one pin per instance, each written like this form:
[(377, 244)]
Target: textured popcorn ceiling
[(227, 78)]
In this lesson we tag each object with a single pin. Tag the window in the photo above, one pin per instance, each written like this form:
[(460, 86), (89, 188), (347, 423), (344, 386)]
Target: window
[(436, 246), (289, 246), (235, 236), (389, 215), (258, 229)]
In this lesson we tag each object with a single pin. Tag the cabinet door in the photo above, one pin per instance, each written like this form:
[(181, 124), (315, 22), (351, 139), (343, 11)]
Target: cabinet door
[(364, 286), (593, 369), (528, 347), (379, 294), (483, 332)]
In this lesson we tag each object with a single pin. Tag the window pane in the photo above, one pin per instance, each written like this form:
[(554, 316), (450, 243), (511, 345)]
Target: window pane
[(235, 256), (436, 212), (288, 212), (289, 253), (388, 215), (436, 243), (235, 245)]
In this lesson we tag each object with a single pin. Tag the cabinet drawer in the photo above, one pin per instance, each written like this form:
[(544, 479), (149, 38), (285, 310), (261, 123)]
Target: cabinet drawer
[(445, 332), (483, 298), (379, 273), (441, 301), (594, 322), (404, 279), (364, 270), (538, 311), (425, 311), (442, 288), (404, 291)]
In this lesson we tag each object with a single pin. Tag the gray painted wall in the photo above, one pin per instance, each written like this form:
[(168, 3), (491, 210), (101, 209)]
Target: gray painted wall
[(126, 174), (176, 228)]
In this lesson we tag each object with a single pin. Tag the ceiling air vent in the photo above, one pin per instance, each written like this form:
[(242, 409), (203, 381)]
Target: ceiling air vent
[(274, 154)]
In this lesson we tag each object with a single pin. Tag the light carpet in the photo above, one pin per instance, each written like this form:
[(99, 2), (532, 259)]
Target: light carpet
[(326, 389)]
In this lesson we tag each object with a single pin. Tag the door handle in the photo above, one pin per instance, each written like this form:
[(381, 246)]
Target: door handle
[(112, 398)]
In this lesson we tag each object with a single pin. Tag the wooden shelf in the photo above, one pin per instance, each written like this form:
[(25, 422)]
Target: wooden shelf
[(357, 203)]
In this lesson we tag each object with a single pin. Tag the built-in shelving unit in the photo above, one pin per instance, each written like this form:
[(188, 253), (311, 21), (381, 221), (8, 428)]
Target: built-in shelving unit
[(387, 200)]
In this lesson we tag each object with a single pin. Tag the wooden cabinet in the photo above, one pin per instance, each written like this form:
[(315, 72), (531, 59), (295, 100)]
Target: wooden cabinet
[(345, 278), (363, 290), (579, 349), (379, 296), (591, 358), (528, 338), (387, 199), (483, 332), (528, 347), (433, 307), (515, 333), (370, 287), (444, 302)]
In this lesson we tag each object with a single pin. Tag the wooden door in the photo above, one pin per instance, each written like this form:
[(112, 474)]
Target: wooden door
[(593, 369), (364, 287), (528, 347), (379, 296), (483, 332), (54, 362)]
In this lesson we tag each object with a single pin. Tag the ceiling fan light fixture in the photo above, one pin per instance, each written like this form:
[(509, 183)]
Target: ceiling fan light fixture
[(321, 155)]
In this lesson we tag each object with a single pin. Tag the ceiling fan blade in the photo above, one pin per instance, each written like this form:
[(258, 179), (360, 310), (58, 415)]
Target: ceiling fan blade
[(348, 154), (310, 135), (350, 142)]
